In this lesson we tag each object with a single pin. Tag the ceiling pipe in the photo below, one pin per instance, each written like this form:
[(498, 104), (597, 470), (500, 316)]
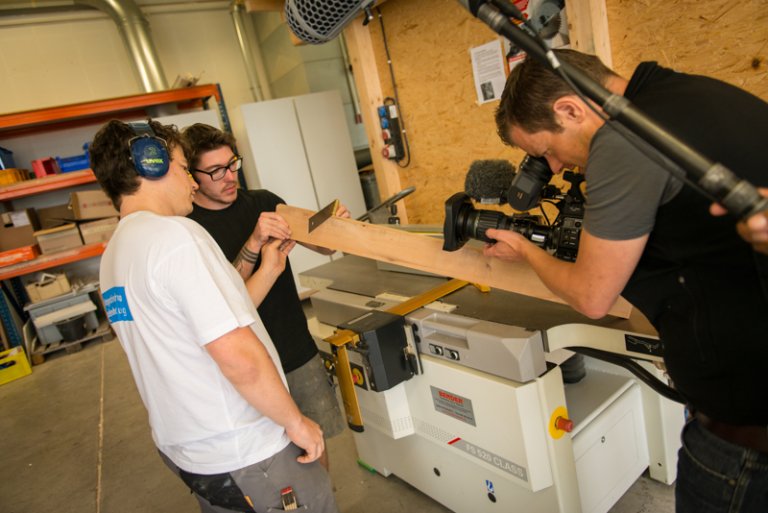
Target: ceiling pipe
[(130, 21), (134, 29), (253, 62)]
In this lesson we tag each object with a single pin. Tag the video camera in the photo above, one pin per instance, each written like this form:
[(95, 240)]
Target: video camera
[(527, 190)]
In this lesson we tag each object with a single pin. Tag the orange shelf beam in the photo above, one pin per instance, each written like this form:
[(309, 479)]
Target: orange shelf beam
[(46, 184), (19, 121), (44, 262)]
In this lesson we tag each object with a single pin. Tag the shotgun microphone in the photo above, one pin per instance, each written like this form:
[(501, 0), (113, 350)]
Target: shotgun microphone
[(318, 21)]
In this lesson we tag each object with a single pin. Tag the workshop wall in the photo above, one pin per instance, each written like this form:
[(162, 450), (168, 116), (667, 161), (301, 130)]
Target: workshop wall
[(51, 59), (429, 44), (725, 40)]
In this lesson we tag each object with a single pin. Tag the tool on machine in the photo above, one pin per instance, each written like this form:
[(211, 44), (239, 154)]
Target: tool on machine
[(387, 203), (380, 338), (489, 401)]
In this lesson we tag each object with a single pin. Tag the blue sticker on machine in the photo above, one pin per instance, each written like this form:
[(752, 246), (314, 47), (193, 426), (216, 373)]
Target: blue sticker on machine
[(116, 304)]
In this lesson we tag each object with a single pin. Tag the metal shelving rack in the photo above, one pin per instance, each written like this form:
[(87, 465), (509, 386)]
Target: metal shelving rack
[(39, 121)]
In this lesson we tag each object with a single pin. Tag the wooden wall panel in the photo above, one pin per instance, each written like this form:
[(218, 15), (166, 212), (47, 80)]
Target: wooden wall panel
[(429, 42), (725, 40)]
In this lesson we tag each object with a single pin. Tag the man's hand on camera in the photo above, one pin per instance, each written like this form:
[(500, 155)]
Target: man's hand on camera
[(509, 245), (754, 230)]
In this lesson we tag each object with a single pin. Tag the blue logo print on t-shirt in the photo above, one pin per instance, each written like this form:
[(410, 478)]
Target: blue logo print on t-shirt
[(117, 305)]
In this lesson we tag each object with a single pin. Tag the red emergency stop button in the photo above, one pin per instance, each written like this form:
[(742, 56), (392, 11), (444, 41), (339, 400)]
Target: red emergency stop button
[(564, 424), (559, 423)]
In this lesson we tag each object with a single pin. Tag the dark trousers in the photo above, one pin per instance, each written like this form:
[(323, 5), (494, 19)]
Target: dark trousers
[(715, 476)]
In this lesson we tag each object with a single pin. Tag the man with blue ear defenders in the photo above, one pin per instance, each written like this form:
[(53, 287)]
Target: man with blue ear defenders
[(149, 153), (205, 366)]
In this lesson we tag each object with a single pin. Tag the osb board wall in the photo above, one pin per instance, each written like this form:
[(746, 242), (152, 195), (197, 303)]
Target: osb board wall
[(725, 40), (429, 42)]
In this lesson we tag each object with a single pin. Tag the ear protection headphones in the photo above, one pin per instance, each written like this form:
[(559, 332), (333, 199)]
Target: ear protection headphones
[(149, 152)]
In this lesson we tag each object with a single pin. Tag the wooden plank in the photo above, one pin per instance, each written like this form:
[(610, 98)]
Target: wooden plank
[(598, 14), (424, 253), (588, 28)]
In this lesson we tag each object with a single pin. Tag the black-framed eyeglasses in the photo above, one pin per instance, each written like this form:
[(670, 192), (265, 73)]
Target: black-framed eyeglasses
[(218, 173)]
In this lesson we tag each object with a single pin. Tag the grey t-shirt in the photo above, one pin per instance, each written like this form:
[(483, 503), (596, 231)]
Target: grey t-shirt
[(625, 187)]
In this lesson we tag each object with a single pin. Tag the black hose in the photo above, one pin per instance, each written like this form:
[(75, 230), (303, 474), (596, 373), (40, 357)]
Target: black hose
[(632, 366)]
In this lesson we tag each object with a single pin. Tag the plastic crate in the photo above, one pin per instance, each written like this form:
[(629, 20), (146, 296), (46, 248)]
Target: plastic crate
[(6, 159), (75, 163), (13, 365)]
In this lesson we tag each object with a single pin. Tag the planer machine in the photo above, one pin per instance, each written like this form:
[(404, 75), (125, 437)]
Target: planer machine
[(472, 397)]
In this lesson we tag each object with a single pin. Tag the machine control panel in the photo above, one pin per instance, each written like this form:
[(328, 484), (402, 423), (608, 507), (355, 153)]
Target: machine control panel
[(507, 351)]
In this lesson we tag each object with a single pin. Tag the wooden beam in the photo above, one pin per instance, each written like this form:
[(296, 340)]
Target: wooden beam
[(263, 5), (424, 253), (588, 28), (368, 82)]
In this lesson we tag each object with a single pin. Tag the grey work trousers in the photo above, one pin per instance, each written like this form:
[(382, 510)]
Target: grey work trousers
[(262, 483)]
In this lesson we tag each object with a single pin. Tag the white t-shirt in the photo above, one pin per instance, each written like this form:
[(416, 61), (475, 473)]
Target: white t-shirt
[(168, 291)]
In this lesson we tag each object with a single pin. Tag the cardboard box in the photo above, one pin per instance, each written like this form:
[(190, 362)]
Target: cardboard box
[(16, 237), (48, 286), (97, 231), (91, 205), (58, 239), (14, 256), (51, 217), (27, 217)]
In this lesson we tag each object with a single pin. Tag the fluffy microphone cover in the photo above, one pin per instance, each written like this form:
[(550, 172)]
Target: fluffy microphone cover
[(488, 180)]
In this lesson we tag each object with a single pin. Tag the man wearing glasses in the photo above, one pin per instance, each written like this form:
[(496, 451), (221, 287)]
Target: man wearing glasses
[(257, 241)]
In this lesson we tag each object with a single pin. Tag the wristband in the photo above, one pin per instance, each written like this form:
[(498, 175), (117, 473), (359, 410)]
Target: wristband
[(248, 255)]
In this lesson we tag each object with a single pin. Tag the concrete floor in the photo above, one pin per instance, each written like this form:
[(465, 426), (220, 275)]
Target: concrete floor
[(74, 439)]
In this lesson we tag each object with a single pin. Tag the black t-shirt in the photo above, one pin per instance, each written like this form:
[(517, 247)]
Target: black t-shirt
[(698, 282), (281, 309)]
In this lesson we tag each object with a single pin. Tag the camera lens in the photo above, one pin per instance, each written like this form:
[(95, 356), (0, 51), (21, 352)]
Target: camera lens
[(479, 221)]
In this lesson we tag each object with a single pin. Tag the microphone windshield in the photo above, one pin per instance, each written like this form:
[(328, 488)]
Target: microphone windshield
[(488, 180), (319, 21)]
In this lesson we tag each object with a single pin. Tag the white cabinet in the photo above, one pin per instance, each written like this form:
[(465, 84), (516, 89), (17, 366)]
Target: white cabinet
[(299, 148)]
